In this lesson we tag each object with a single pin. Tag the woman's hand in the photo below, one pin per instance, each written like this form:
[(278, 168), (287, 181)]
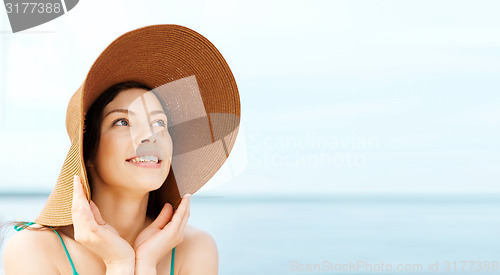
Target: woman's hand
[(161, 236), (92, 232)]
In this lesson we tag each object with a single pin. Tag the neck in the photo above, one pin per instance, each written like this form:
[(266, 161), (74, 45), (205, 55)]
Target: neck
[(125, 210)]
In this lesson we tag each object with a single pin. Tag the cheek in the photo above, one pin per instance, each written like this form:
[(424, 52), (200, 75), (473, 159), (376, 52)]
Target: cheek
[(111, 149)]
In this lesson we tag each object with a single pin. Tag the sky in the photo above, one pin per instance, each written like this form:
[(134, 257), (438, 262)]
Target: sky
[(336, 96)]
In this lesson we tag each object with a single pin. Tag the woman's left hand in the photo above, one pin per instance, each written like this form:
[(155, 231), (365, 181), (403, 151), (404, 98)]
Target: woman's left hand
[(161, 236)]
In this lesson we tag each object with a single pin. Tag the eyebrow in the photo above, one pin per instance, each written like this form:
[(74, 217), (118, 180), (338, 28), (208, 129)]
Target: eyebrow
[(125, 111)]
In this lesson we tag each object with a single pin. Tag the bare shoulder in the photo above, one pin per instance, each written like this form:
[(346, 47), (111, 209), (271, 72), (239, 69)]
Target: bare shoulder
[(28, 252), (193, 234), (198, 252)]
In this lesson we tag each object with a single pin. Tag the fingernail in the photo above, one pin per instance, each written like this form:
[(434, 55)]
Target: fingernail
[(74, 178), (187, 195)]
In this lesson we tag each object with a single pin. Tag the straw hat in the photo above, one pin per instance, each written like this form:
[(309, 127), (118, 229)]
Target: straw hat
[(193, 80)]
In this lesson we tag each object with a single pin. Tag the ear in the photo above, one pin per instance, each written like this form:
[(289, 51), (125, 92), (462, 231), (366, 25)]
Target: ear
[(89, 164)]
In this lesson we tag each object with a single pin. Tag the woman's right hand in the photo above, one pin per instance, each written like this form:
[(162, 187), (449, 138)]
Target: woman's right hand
[(92, 231)]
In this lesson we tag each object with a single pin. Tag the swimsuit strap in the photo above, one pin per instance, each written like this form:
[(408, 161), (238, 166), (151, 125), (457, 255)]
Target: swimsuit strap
[(172, 262), (19, 228), (67, 253)]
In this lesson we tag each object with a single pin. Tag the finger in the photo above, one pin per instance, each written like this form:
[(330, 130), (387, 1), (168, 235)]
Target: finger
[(163, 217), (171, 230), (96, 213), (77, 191), (79, 199), (185, 217), (83, 216), (179, 213), (81, 212)]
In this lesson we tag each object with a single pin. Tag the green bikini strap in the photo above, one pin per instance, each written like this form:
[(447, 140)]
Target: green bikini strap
[(19, 228), (172, 262), (67, 253)]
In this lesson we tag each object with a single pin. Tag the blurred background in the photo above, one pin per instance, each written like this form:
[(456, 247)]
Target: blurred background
[(370, 130)]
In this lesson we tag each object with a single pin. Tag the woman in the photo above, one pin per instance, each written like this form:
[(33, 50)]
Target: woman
[(117, 208)]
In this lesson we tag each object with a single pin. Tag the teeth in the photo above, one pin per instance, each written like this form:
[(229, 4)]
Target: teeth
[(152, 159)]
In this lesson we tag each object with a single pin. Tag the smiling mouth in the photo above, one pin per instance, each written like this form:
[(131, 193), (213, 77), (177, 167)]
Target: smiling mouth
[(145, 159)]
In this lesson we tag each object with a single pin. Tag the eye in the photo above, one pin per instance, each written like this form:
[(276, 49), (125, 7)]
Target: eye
[(121, 120), (161, 122)]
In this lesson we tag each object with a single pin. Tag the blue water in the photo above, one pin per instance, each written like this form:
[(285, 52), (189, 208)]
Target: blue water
[(333, 234)]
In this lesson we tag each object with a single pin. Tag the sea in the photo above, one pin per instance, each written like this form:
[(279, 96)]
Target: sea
[(337, 234)]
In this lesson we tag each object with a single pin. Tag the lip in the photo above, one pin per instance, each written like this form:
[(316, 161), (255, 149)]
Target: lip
[(148, 153), (146, 164)]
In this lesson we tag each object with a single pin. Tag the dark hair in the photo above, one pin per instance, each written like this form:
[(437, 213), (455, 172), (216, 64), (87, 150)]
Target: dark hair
[(91, 138)]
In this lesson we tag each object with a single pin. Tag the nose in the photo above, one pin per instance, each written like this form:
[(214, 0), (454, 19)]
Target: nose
[(151, 138), (148, 140), (143, 134)]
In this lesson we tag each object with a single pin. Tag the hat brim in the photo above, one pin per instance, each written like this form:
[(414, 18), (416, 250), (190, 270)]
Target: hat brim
[(159, 56)]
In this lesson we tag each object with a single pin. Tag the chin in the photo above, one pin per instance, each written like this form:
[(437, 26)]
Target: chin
[(148, 183)]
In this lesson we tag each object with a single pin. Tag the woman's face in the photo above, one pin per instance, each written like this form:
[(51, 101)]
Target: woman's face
[(135, 148)]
